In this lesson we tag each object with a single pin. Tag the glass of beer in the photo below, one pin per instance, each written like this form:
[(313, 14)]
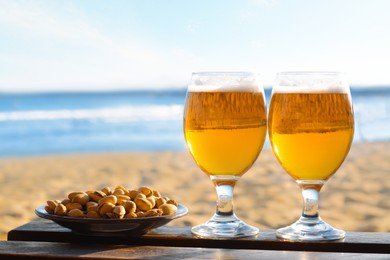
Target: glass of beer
[(225, 128), (311, 127)]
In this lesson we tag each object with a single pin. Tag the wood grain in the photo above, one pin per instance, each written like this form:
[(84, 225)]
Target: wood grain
[(171, 236), (55, 250)]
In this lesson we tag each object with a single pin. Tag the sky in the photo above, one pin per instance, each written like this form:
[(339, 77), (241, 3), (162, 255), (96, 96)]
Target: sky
[(68, 45)]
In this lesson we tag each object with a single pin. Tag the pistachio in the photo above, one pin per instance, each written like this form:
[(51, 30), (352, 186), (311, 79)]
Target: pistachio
[(122, 198), (133, 194), (153, 213), (108, 199), (129, 206), (74, 194), (93, 214), (75, 213), (160, 201), (131, 215), (49, 210), (171, 201), (146, 190), (120, 187), (105, 208), (156, 193), (168, 209), (143, 204), (152, 200), (119, 211), (140, 214), (139, 195), (60, 210), (73, 205), (106, 190), (93, 208), (52, 204), (91, 204), (97, 195), (89, 192), (81, 198), (66, 201), (119, 192)]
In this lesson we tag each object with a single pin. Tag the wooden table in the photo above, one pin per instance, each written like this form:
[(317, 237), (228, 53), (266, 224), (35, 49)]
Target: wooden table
[(45, 239)]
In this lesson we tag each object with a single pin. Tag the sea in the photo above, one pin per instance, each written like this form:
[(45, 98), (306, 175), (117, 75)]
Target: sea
[(34, 124)]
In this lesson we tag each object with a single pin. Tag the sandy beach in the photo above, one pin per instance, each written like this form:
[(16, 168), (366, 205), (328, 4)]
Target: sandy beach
[(356, 198)]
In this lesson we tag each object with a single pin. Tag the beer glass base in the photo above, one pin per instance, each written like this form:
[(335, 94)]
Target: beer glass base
[(218, 227), (307, 230)]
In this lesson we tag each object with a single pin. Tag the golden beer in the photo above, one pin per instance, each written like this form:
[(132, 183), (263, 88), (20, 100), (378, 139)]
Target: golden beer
[(225, 131), (311, 133)]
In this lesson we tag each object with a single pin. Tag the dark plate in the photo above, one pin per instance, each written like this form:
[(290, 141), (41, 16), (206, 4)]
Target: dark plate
[(111, 227)]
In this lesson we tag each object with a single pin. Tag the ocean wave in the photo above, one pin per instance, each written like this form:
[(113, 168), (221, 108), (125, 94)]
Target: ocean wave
[(112, 114)]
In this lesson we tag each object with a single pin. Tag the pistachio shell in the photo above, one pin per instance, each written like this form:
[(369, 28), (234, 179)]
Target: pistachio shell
[(133, 194), (168, 209), (52, 204), (81, 198), (152, 200), (131, 215), (122, 198), (93, 214), (146, 190), (92, 208), (156, 193), (106, 190), (171, 201), (119, 192), (120, 187), (140, 195), (75, 193), (97, 195), (143, 204), (153, 213), (91, 204), (60, 210), (119, 211), (75, 213), (129, 206), (66, 201), (140, 214), (160, 201), (105, 208), (49, 210), (73, 205), (108, 199)]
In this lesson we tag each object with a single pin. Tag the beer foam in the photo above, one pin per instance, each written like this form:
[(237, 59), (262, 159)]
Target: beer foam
[(225, 82), (311, 82), (224, 88), (310, 89)]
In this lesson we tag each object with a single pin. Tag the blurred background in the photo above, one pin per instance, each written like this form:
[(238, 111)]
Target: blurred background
[(107, 76)]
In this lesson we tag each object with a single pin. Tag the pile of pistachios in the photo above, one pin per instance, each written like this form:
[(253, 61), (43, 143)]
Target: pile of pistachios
[(115, 203)]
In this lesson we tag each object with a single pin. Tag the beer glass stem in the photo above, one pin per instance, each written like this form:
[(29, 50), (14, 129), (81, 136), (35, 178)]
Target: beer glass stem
[(225, 200), (310, 227), (224, 222), (310, 193)]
